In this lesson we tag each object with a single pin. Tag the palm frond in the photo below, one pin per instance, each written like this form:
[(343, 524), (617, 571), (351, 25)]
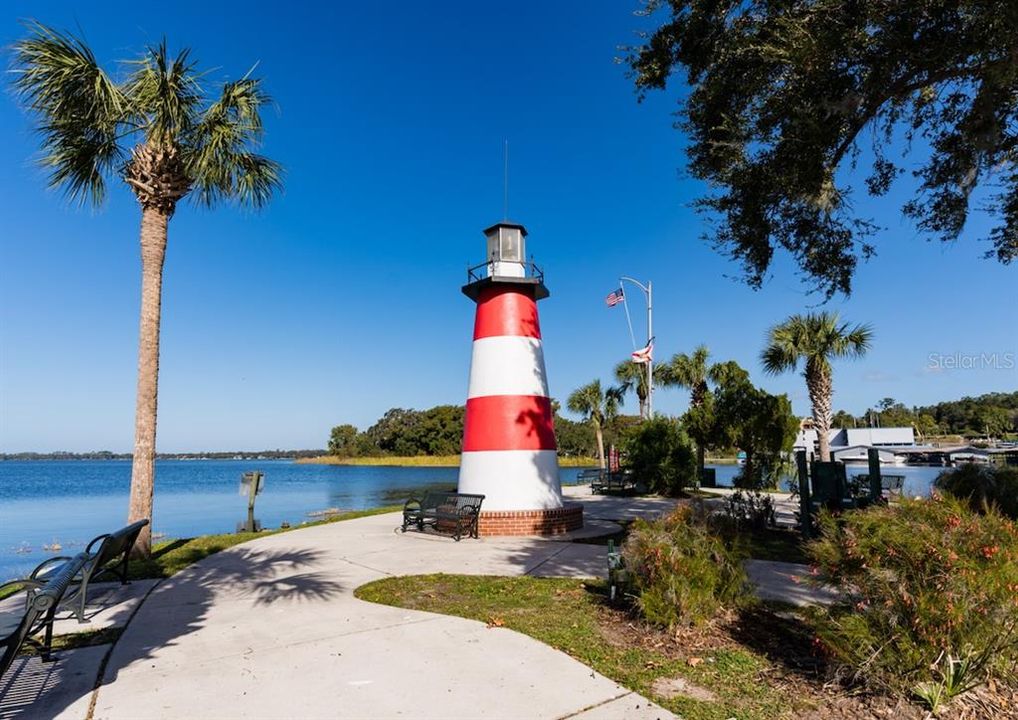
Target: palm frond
[(813, 338), (218, 154), (588, 401), (81, 110), (165, 95), (614, 398)]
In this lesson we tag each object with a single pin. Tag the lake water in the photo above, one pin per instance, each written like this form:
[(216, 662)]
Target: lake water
[(70, 502)]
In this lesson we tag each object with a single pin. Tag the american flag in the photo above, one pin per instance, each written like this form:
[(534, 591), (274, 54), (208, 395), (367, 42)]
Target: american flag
[(644, 354), (615, 297)]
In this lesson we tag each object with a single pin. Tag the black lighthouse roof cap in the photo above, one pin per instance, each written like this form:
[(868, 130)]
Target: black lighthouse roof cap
[(505, 224)]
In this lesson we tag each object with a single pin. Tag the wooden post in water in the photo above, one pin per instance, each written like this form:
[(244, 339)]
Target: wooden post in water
[(253, 480)]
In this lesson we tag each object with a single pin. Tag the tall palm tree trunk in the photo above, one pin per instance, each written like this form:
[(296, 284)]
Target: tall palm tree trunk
[(701, 460), (600, 445), (821, 389), (153, 251)]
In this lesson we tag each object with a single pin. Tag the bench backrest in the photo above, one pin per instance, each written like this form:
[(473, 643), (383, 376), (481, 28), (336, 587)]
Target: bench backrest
[(40, 608), (116, 544), (828, 483), (892, 482), (434, 500)]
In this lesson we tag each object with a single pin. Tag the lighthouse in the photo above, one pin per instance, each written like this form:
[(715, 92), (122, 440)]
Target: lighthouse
[(509, 451)]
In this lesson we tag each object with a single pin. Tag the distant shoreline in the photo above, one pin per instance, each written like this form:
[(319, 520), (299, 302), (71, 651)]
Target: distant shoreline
[(225, 455), (421, 461)]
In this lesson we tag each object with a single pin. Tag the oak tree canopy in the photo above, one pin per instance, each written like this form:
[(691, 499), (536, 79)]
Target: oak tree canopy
[(785, 93)]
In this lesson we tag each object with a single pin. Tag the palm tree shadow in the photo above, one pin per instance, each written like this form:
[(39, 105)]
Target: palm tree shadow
[(181, 605)]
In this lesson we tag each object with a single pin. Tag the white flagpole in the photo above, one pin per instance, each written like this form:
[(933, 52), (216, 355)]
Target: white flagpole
[(629, 321), (650, 355), (648, 291)]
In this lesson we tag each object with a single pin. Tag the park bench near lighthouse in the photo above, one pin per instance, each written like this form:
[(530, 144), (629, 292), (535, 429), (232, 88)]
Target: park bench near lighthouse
[(444, 511), (106, 555), (23, 618)]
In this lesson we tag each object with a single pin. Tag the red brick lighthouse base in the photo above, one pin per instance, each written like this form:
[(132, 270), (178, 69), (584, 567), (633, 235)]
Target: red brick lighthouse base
[(554, 521), (509, 450)]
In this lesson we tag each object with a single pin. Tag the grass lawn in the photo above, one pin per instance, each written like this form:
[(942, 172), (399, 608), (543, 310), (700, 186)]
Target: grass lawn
[(572, 616), (172, 556)]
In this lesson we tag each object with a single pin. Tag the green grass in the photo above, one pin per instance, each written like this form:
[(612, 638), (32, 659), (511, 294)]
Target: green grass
[(568, 614), (172, 556), (77, 640)]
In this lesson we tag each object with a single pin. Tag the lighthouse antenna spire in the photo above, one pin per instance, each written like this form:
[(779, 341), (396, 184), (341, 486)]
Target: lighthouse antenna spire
[(505, 179)]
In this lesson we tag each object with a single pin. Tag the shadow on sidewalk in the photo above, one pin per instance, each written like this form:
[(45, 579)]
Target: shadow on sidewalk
[(180, 605), (177, 607)]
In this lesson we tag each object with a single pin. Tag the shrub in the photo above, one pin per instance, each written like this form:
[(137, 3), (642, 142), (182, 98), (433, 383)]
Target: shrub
[(659, 454), (927, 579), (753, 509), (681, 570), (981, 486)]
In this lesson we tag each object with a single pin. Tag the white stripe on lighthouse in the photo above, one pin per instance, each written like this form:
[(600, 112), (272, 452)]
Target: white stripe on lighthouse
[(512, 479), (507, 365)]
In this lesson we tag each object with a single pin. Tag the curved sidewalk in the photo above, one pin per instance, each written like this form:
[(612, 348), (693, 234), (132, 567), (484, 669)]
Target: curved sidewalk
[(270, 629)]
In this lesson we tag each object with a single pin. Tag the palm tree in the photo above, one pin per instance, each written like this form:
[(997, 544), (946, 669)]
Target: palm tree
[(598, 407), (633, 376), (692, 373), (181, 143), (815, 339)]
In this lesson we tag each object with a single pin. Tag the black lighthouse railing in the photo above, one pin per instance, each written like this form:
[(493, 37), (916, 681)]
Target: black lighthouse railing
[(487, 269)]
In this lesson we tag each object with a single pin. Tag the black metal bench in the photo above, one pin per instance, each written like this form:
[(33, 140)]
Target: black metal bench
[(36, 612), (612, 483), (590, 476), (444, 511), (106, 555)]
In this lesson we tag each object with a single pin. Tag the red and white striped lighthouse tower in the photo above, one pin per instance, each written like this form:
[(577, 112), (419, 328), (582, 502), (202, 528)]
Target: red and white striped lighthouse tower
[(509, 451)]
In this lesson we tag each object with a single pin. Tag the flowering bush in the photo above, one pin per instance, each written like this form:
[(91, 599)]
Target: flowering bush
[(926, 580), (681, 570)]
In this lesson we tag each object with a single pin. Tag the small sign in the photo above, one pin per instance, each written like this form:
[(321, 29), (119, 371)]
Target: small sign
[(252, 477)]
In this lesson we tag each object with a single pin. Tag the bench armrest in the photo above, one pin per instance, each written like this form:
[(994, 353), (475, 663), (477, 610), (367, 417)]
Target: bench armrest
[(467, 510), (99, 539), (45, 565)]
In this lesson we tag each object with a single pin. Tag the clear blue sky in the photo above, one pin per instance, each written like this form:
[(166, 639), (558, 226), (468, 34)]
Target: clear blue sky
[(342, 299)]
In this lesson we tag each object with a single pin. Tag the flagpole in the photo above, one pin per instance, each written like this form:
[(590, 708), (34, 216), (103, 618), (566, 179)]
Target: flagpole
[(629, 321), (650, 356), (648, 291)]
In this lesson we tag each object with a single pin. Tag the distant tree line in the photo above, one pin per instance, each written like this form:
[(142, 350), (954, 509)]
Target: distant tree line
[(439, 431), (992, 415), (220, 455)]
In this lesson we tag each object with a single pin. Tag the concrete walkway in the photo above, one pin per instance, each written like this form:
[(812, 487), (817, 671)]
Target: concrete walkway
[(271, 629)]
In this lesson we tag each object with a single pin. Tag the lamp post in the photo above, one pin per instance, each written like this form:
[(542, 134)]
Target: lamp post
[(648, 290)]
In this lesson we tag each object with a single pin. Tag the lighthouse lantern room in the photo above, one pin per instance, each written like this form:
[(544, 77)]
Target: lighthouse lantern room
[(506, 250), (509, 450)]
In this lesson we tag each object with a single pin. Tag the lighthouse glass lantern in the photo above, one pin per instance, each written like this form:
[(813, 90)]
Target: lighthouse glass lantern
[(506, 250)]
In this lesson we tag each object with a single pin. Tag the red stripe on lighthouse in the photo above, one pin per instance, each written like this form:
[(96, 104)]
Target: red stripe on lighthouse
[(506, 310), (508, 422)]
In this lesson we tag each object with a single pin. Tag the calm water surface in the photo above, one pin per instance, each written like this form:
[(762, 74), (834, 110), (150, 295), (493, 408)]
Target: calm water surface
[(70, 502)]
